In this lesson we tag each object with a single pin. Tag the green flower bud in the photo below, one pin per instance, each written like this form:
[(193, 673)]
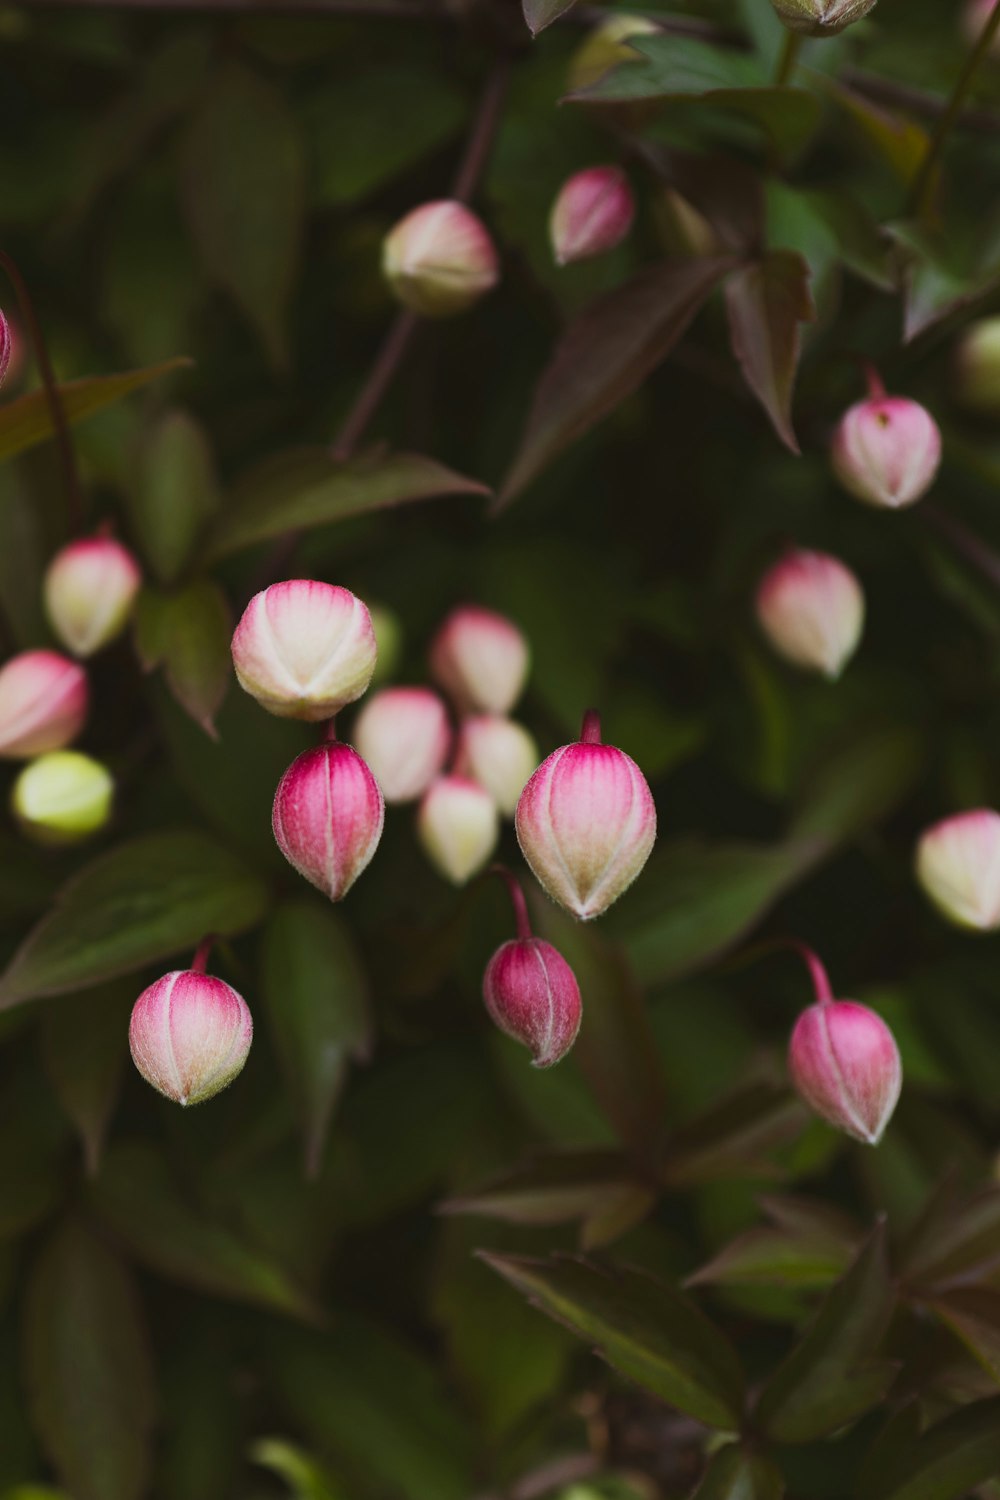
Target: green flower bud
[(62, 797), (821, 17)]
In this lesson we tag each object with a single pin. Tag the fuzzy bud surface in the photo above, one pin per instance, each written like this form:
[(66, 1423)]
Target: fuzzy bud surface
[(304, 649), (812, 610), (43, 704), (190, 1035), (404, 735)]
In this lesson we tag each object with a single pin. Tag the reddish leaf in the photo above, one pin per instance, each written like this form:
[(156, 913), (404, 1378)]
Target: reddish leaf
[(766, 303), (605, 354)]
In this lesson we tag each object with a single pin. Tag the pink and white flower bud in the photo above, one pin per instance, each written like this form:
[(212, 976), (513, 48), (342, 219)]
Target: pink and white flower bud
[(404, 735), (586, 823), (530, 990), (886, 450), (6, 346), (43, 704), (190, 1035), (821, 17), (592, 214), (481, 660), (303, 649), (440, 259), (958, 865), (89, 590), (458, 827), (812, 610), (845, 1064), (327, 817), (500, 754)]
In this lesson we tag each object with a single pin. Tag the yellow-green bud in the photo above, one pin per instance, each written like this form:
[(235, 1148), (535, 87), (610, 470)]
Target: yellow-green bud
[(63, 796)]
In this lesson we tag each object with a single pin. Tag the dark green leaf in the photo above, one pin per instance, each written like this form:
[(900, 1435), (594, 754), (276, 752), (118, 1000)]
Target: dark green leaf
[(766, 303), (188, 633), (733, 1475), (146, 900), (89, 1379), (604, 355), (857, 783), (553, 1188), (84, 1044), (306, 487), (771, 1257), (28, 420), (315, 992), (653, 1335), (242, 187), (953, 1240), (973, 1313), (733, 1137), (950, 1459), (174, 494), (306, 1479)]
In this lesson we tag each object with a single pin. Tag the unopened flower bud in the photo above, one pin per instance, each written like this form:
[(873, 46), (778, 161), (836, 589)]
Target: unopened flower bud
[(586, 823), (886, 450), (43, 703), (975, 15), (6, 346), (190, 1035), (530, 990), (812, 610), (977, 366), (498, 753), (958, 865), (327, 817), (458, 827), (404, 735), (440, 259), (845, 1063), (593, 213), (481, 659), (303, 649), (821, 17), (63, 796), (89, 590)]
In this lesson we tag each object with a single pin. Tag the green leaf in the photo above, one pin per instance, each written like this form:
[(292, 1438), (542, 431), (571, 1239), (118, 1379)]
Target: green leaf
[(652, 1335), (831, 1377), (973, 1314), (541, 13), (733, 1475), (146, 900), (88, 1373), (953, 1240), (242, 182), (315, 991), (771, 1257), (305, 488), (731, 1138), (951, 1458), (304, 1476), (28, 421), (604, 355), (174, 494), (766, 303), (416, 1443), (189, 632), (84, 1045), (900, 142), (554, 1187), (857, 782), (139, 1201)]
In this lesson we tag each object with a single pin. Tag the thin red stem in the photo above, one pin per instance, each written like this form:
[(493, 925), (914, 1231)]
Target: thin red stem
[(518, 902), (876, 385), (817, 972), (200, 961), (590, 731), (330, 731)]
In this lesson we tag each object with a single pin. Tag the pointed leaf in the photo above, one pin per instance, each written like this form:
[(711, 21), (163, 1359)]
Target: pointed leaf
[(305, 488), (605, 354), (90, 1383), (28, 420), (973, 1314), (189, 633), (951, 1459), (242, 182), (541, 13), (651, 1334), (771, 1257), (550, 1188), (174, 494), (315, 992), (146, 900), (733, 1475), (831, 1377), (84, 1045), (305, 1478), (953, 1240), (766, 303), (733, 1137)]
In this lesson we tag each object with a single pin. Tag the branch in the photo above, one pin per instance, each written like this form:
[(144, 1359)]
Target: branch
[(386, 10), (922, 193)]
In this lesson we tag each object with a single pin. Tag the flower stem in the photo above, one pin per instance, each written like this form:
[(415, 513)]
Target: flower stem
[(817, 972), (924, 184), (329, 729), (788, 59), (518, 902), (590, 731), (200, 961), (876, 385), (64, 440)]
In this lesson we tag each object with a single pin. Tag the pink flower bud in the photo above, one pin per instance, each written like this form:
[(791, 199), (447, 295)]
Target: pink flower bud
[(530, 990), (303, 649), (812, 610), (89, 590), (6, 346), (886, 450), (327, 817), (458, 827), (498, 753), (404, 735), (480, 659), (440, 259), (958, 865), (586, 823), (845, 1063), (821, 17), (43, 703), (593, 213), (190, 1035)]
